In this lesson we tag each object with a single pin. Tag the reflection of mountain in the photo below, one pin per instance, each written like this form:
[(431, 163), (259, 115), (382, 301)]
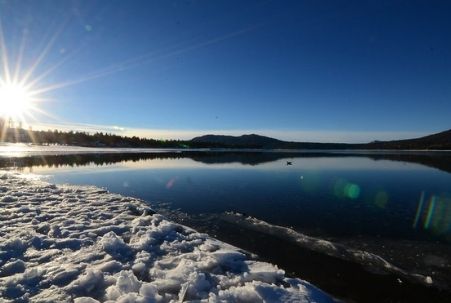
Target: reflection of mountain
[(437, 160), (440, 161), (246, 158)]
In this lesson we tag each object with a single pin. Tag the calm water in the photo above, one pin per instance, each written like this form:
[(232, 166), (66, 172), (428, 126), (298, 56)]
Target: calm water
[(396, 206)]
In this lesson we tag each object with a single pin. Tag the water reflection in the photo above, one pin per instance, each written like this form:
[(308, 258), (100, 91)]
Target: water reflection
[(397, 206), (439, 160)]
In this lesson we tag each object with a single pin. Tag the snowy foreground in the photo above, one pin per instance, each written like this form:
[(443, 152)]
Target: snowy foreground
[(83, 244)]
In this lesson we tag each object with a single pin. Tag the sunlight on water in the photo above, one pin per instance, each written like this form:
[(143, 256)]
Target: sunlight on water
[(13, 150)]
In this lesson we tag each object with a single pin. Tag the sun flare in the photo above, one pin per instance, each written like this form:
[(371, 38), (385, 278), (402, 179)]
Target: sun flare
[(15, 100)]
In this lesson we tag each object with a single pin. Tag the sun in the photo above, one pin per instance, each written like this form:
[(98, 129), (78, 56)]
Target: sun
[(15, 100)]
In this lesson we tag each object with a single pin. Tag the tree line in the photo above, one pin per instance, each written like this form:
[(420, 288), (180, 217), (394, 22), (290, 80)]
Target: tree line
[(99, 139)]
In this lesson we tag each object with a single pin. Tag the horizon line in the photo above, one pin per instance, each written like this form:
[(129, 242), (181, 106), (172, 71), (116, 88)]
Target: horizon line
[(314, 136)]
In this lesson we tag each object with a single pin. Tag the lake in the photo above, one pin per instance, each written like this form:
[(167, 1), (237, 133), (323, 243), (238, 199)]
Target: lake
[(284, 206)]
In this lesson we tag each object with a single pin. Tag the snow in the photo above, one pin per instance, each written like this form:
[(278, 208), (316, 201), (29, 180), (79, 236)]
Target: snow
[(84, 244)]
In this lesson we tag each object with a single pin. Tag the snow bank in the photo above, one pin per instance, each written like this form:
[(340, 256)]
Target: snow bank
[(85, 245)]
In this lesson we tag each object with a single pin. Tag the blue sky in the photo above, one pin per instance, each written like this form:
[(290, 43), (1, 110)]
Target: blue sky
[(300, 70)]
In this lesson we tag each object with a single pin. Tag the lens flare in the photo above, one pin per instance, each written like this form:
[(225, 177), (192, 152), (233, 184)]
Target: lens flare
[(345, 189), (434, 214), (419, 210)]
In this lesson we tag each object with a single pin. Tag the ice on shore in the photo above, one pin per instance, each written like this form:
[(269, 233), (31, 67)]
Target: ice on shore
[(372, 262), (84, 245)]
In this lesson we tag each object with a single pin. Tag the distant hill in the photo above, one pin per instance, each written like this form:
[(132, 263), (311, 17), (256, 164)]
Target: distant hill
[(257, 141), (439, 141), (244, 140)]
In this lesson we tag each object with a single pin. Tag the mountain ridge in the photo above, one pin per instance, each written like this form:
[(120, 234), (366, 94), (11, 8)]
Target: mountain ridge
[(439, 141)]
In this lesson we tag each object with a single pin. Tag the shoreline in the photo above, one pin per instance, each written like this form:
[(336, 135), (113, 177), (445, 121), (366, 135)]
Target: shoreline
[(83, 244), (30, 149)]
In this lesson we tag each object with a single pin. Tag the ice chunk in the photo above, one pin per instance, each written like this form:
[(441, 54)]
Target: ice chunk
[(12, 267), (85, 300)]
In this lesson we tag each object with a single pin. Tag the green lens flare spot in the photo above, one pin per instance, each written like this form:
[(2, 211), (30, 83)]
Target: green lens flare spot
[(352, 191)]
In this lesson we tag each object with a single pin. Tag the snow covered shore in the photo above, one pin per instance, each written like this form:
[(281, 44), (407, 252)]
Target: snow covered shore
[(84, 244)]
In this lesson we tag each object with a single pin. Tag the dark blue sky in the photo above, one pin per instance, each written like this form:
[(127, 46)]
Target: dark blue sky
[(331, 70)]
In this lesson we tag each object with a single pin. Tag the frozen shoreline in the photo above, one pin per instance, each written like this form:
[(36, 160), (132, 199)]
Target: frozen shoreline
[(84, 244)]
